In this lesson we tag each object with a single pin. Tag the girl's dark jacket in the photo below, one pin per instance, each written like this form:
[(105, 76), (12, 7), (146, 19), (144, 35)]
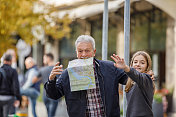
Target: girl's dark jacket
[(140, 96)]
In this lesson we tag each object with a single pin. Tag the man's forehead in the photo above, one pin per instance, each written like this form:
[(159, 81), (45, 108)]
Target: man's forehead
[(84, 45)]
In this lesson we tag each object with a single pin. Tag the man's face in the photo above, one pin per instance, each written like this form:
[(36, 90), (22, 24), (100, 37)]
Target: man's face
[(85, 50), (45, 60), (27, 64)]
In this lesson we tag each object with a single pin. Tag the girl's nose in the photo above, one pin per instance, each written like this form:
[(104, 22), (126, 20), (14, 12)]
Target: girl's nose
[(137, 63)]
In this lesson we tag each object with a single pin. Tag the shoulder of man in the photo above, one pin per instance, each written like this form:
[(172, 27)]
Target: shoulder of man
[(108, 65), (46, 68), (105, 63)]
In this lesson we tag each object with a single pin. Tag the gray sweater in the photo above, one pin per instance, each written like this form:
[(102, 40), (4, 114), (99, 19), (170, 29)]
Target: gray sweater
[(140, 96)]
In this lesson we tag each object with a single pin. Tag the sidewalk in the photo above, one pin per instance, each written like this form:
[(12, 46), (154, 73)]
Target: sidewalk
[(41, 110), (61, 110)]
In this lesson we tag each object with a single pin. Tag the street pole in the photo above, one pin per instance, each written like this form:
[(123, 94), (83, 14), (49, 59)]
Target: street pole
[(105, 31), (126, 45)]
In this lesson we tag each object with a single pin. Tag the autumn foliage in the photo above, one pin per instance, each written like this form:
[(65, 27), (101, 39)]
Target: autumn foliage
[(18, 17)]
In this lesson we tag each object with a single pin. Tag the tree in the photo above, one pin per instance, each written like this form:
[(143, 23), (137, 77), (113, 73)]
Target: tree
[(19, 17)]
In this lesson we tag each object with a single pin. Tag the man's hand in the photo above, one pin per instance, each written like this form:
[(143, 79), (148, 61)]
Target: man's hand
[(57, 69), (120, 63)]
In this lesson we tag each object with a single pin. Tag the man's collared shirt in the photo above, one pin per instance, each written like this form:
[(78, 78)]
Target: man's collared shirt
[(95, 107)]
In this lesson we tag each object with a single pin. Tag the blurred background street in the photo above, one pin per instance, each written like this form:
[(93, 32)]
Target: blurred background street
[(32, 28), (41, 110)]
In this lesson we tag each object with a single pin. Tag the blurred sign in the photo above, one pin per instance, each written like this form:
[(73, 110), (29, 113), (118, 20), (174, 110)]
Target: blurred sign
[(23, 50), (39, 33)]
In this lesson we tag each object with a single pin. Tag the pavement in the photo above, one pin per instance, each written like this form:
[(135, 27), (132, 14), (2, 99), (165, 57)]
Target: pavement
[(61, 110), (41, 110)]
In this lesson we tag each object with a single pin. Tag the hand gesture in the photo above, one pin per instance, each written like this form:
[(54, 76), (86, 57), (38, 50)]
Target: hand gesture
[(57, 69), (120, 63), (151, 74)]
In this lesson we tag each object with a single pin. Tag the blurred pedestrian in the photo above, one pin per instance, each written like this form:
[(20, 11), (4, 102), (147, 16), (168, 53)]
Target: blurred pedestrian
[(29, 89), (102, 101), (140, 87), (9, 87), (14, 61), (44, 72), (13, 65), (13, 54)]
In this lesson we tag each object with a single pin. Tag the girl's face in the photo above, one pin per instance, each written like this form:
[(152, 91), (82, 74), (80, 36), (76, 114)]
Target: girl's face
[(140, 63)]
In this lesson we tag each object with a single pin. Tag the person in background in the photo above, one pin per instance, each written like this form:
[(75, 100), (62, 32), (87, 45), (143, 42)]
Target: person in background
[(13, 54), (140, 86), (13, 65), (9, 87), (103, 101), (43, 74), (14, 60), (30, 89)]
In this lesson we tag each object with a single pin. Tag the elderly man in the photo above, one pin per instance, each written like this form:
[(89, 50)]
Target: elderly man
[(103, 101), (29, 89)]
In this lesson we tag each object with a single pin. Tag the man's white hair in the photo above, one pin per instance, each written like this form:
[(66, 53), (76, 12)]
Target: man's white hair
[(85, 38)]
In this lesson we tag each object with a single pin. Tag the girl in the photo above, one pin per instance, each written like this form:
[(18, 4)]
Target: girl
[(140, 87)]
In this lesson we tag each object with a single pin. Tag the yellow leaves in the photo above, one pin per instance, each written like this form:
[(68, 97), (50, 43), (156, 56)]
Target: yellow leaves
[(13, 16), (25, 8), (58, 28), (6, 44), (2, 32), (17, 16)]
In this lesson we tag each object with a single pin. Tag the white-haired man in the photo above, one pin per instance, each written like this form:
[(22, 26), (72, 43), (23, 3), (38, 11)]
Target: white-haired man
[(103, 101)]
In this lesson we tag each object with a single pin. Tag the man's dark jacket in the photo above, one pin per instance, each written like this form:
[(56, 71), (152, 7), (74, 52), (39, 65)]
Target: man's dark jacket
[(10, 84), (109, 77)]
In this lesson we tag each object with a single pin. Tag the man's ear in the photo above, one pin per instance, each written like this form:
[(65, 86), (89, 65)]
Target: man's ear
[(76, 53), (94, 52)]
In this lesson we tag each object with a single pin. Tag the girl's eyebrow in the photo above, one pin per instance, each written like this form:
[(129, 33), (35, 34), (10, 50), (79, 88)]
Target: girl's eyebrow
[(142, 60)]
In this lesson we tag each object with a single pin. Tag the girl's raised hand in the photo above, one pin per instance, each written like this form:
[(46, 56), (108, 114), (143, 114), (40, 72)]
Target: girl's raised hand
[(119, 62)]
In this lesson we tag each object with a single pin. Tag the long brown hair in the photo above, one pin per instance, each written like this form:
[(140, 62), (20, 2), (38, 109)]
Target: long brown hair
[(149, 65)]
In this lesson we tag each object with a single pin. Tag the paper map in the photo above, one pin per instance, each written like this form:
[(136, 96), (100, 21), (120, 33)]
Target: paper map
[(81, 74)]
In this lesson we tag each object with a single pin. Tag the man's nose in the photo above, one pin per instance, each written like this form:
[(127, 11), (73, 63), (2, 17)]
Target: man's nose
[(83, 53)]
